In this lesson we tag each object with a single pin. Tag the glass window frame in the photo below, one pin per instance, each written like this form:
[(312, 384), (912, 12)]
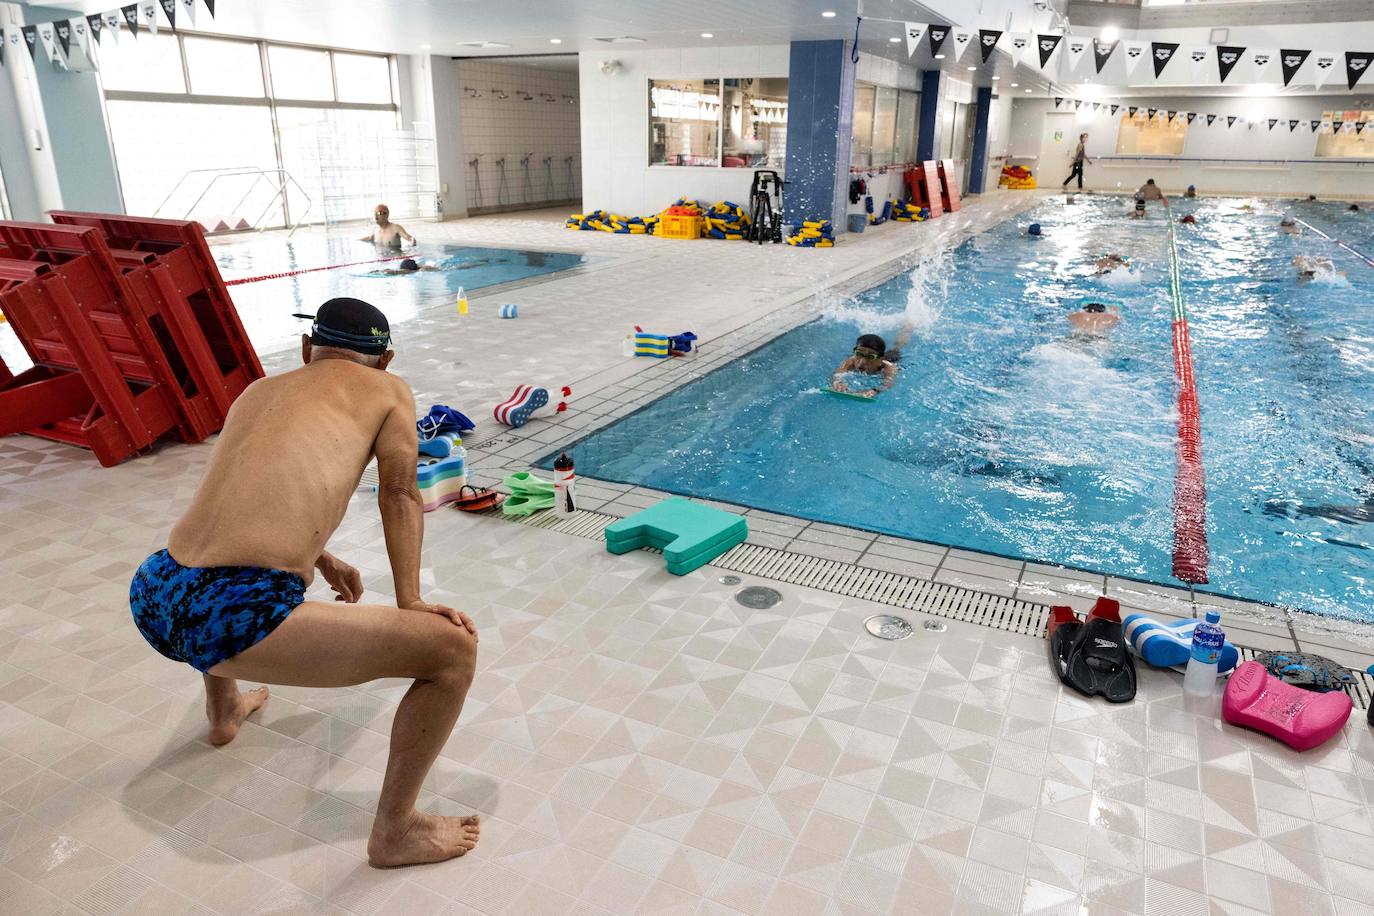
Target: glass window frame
[(721, 125), (268, 100)]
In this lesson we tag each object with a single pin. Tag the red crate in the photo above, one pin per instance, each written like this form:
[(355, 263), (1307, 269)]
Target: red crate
[(949, 186)]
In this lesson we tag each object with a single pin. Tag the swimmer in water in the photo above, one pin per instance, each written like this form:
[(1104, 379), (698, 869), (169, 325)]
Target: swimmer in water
[(871, 357), (1139, 211), (406, 267), (1191, 192), (1354, 208), (1188, 219), (1313, 267), (1110, 262), (1150, 191), (387, 234), (1290, 225), (1094, 319)]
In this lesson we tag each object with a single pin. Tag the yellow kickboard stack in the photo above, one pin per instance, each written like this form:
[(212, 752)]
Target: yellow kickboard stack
[(725, 220), (603, 221), (813, 233), (906, 212)]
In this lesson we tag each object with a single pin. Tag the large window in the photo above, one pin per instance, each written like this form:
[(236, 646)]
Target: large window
[(884, 131), (231, 131), (738, 122), (1335, 141), (1145, 136)]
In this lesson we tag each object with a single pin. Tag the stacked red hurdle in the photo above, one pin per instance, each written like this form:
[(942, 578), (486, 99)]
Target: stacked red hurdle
[(131, 331)]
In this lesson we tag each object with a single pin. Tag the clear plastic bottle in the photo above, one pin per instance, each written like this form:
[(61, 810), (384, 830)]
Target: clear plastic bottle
[(462, 301), (1200, 678)]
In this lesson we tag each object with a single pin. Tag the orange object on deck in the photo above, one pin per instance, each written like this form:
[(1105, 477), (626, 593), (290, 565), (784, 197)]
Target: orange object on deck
[(949, 186)]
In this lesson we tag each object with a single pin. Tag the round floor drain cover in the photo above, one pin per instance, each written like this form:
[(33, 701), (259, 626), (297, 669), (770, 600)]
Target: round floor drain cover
[(758, 596), (886, 626), (730, 580), (934, 626)]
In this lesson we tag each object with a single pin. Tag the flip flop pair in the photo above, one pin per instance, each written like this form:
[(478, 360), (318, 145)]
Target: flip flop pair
[(528, 494)]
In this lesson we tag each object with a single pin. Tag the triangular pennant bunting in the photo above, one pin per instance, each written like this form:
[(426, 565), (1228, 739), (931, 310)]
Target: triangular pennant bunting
[(1291, 61), (1263, 60), (210, 6), (1272, 122), (170, 8), (1326, 65), (1198, 58), (30, 33), (112, 20), (1359, 127), (96, 24), (63, 30), (1210, 119), (1227, 58), (914, 31), (1230, 120), (1097, 106), (1136, 52), (1292, 125), (937, 35), (1077, 104), (1075, 49), (1191, 116), (1161, 52), (149, 13), (1102, 52), (131, 17), (1046, 45), (1315, 124), (1058, 100), (48, 40), (1356, 63), (1020, 42), (1151, 112), (987, 41), (188, 13), (963, 38), (1131, 110), (1115, 108), (83, 58)]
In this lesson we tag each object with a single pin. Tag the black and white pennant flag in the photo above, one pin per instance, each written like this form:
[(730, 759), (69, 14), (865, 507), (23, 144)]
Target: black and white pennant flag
[(1356, 63), (1074, 49), (130, 14), (1272, 122), (1264, 60), (1230, 120), (1192, 115), (1291, 61), (1359, 127), (210, 6), (188, 13), (987, 41), (30, 33), (1150, 113), (1161, 52), (963, 39), (1077, 104), (1047, 45), (82, 57), (1227, 58), (1019, 43), (63, 29), (96, 24), (1197, 58), (1315, 123), (914, 32), (1097, 106), (1292, 125), (47, 38), (1210, 119), (1102, 52), (170, 8), (1115, 109), (148, 11), (1325, 65), (1058, 100), (937, 35), (1131, 110), (1170, 119), (1136, 52), (112, 19)]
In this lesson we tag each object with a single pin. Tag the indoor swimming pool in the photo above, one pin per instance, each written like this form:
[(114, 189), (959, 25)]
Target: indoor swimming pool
[(1007, 433)]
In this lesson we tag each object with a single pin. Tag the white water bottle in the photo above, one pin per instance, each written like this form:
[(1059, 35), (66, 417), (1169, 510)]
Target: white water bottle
[(564, 499), (1200, 678)]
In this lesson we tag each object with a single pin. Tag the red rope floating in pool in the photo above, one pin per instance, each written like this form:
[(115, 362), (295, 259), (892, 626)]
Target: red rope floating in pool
[(310, 270), (1190, 486)]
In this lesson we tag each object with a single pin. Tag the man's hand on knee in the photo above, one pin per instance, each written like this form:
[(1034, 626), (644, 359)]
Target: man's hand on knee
[(458, 617)]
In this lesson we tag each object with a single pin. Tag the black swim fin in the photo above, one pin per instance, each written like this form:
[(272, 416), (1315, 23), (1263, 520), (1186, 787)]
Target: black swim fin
[(1094, 657)]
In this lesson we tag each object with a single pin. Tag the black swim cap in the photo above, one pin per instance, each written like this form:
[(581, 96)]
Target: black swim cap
[(350, 324), (871, 342), (1094, 307), (409, 264)]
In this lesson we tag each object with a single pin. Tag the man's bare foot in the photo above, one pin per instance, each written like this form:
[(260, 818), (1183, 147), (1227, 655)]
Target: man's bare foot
[(421, 838), (225, 718)]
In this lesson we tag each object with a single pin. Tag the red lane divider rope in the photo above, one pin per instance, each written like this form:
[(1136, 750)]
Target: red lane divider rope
[(311, 270), (1360, 255), (1190, 485)]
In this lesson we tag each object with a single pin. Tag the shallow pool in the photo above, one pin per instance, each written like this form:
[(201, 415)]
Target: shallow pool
[(1008, 434)]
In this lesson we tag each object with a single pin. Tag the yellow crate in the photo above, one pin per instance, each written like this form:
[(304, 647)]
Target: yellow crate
[(679, 227)]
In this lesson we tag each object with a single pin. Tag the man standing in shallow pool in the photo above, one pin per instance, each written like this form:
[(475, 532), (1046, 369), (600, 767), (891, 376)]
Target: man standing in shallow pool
[(227, 596), (387, 234)]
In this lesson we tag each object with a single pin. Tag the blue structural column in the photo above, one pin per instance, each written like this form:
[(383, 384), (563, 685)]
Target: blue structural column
[(820, 122), (928, 130), (978, 164)]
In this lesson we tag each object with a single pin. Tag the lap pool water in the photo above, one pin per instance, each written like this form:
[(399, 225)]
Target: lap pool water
[(1007, 434)]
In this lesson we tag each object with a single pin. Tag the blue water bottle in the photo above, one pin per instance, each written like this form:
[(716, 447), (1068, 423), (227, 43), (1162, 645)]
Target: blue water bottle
[(1200, 679)]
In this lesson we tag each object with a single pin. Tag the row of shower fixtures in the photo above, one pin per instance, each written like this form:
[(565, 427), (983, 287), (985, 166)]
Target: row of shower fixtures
[(520, 94)]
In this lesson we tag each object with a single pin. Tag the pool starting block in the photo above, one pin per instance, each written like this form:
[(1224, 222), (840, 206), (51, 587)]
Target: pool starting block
[(689, 534)]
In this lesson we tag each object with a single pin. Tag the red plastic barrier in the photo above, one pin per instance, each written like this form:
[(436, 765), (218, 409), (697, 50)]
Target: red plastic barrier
[(949, 185), (923, 186)]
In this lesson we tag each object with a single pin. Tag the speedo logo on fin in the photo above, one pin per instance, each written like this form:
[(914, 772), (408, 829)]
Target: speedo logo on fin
[(1104, 643)]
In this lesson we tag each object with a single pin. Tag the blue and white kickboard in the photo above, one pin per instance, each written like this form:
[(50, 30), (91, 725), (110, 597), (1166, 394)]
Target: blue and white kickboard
[(1168, 645)]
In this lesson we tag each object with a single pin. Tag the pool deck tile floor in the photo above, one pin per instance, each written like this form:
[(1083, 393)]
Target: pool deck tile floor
[(637, 742)]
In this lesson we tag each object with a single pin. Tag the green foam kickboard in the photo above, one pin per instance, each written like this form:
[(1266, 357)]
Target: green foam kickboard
[(689, 534)]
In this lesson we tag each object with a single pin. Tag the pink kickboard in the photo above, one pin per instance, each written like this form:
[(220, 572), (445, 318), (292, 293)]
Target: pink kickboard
[(1299, 718)]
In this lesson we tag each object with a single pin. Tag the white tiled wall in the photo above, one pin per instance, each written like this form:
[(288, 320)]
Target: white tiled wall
[(543, 127)]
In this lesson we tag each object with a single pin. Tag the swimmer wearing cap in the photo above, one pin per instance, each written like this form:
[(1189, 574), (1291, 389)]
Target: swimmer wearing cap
[(871, 357), (387, 234), (1094, 319), (1034, 229), (1110, 262), (406, 267), (1290, 225), (1139, 211)]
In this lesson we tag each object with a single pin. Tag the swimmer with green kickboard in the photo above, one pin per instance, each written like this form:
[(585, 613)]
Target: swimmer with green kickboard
[(871, 358)]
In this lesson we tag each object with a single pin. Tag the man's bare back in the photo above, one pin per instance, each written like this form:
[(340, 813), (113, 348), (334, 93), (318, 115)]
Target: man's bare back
[(289, 459)]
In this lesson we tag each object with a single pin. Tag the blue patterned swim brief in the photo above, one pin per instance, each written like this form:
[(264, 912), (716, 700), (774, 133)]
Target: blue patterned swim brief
[(203, 616)]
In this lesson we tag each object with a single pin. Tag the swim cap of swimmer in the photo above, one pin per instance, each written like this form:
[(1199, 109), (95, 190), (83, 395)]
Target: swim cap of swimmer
[(1192, 187), (409, 264), (1094, 307), (1354, 207), (1140, 203), (1188, 219), (1033, 229), (350, 324), (1287, 221), (871, 342)]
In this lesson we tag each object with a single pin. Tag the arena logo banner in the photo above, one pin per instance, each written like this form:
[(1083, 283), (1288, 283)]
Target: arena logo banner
[(937, 35), (1262, 60), (170, 8), (1326, 65), (1315, 124), (1136, 52), (1359, 127), (1115, 108), (1020, 42), (987, 41), (188, 10), (1227, 58), (1356, 63), (1102, 52), (1230, 120), (1047, 45), (149, 13), (962, 39), (1292, 62), (1272, 122), (96, 24), (1192, 116), (1058, 100), (112, 20), (1210, 119), (1131, 110), (48, 39), (1150, 113), (914, 31), (131, 17), (31, 39), (1076, 48), (1198, 58), (1161, 52), (1292, 125)]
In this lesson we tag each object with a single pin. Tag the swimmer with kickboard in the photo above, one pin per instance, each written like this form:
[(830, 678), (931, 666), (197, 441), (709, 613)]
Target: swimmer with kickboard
[(871, 357)]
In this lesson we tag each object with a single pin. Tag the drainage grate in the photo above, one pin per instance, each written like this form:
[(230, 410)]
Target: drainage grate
[(758, 597), (888, 626)]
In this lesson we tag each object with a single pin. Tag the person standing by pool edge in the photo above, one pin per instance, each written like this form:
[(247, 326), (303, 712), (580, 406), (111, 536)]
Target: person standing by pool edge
[(387, 234), (1080, 156)]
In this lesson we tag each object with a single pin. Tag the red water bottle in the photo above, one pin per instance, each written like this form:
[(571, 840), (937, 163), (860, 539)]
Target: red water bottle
[(563, 485)]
